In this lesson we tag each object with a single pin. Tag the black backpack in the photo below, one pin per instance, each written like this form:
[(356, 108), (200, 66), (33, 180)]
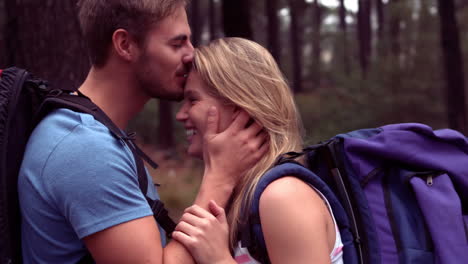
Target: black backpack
[(24, 101)]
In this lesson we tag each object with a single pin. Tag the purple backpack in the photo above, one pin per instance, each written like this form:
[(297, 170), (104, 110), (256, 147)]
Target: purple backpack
[(399, 194)]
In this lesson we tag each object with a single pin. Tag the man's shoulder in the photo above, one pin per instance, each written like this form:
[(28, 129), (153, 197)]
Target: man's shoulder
[(67, 135), (63, 126), (70, 149), (66, 120)]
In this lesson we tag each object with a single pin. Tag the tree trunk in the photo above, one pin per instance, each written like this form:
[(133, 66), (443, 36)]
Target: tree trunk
[(195, 22), (273, 29), (53, 49), (166, 126), (316, 47), (381, 39), (344, 38), (452, 54), (236, 19), (213, 20), (364, 34), (296, 48), (10, 30), (395, 9), (4, 60), (395, 20)]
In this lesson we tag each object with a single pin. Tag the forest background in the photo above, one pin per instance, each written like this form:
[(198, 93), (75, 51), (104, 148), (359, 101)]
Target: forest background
[(350, 63)]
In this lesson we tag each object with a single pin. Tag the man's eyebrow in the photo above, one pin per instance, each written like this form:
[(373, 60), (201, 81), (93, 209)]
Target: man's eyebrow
[(181, 37)]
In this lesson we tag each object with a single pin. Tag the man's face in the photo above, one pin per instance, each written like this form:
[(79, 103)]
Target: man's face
[(164, 63)]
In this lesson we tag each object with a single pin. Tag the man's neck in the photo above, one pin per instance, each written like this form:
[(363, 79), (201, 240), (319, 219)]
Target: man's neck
[(115, 92)]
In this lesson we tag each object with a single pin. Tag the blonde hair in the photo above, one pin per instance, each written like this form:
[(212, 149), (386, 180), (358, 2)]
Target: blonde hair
[(245, 74)]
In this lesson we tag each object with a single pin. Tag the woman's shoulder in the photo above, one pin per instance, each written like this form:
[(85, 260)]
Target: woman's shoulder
[(289, 189), (295, 222)]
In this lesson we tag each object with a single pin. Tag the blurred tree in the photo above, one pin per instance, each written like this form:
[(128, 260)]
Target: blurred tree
[(236, 18), (450, 43), (395, 20), (364, 31), (296, 45), (316, 43), (381, 36), (273, 29), (213, 19), (5, 60), (344, 37), (460, 4), (195, 23), (166, 126), (41, 41), (380, 18), (393, 58)]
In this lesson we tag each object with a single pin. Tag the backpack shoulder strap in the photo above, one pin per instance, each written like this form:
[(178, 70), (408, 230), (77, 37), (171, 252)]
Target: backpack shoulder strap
[(251, 234)]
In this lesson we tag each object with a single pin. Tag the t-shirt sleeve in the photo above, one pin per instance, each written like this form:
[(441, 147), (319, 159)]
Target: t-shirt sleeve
[(92, 180)]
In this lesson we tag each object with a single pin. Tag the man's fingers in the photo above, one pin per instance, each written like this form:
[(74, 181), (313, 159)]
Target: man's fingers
[(183, 238), (254, 129), (186, 228), (263, 138), (263, 149), (212, 121), (216, 210), (198, 211), (190, 219), (239, 122)]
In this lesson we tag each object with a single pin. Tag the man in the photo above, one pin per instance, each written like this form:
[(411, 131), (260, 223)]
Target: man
[(78, 185)]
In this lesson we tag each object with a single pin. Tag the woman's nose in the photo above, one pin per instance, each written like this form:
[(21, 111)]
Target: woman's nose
[(182, 115)]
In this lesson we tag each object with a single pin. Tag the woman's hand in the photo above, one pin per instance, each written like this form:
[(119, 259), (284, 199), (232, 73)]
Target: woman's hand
[(205, 234)]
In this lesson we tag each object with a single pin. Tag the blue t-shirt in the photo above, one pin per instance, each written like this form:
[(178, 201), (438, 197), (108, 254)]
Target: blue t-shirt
[(76, 179)]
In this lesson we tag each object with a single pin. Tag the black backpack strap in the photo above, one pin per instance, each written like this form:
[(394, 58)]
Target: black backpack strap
[(87, 259)]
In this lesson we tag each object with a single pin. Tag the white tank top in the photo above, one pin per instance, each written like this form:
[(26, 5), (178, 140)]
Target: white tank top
[(242, 255)]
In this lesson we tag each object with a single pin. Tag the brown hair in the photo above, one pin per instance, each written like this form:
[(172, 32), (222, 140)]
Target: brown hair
[(99, 19)]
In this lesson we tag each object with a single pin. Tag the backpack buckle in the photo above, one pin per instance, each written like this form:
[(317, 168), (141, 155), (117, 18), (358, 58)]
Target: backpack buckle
[(55, 93)]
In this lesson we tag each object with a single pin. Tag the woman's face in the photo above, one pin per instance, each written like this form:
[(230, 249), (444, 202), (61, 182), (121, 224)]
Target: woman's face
[(194, 112)]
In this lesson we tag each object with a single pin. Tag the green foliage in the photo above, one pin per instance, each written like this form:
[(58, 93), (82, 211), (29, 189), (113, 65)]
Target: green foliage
[(146, 124)]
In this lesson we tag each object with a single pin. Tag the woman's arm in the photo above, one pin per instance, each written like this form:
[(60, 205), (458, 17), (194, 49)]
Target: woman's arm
[(296, 223)]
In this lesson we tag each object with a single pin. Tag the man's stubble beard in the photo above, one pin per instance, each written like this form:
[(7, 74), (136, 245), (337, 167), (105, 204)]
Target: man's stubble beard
[(154, 86)]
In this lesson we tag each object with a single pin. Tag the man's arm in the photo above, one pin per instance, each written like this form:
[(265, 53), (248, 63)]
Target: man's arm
[(136, 241)]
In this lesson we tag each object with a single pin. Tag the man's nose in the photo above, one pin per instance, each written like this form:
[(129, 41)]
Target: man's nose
[(188, 58)]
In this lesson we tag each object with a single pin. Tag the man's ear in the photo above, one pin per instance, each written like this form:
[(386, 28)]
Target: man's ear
[(124, 45)]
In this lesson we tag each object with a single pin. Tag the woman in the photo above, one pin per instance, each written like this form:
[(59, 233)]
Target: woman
[(235, 74)]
